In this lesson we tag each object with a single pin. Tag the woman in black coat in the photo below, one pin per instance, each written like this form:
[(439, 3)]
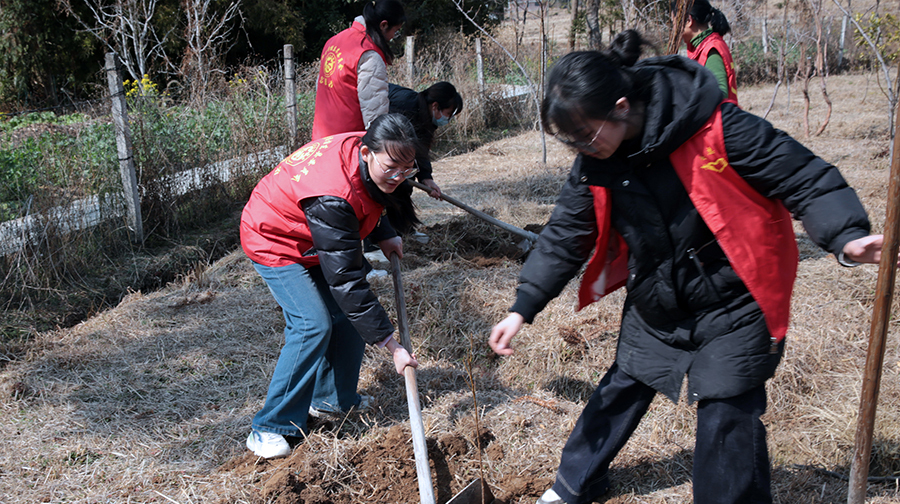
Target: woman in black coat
[(428, 110), (687, 201)]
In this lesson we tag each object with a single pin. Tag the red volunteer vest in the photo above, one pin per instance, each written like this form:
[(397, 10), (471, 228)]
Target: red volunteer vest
[(755, 232), (701, 54), (337, 100), (274, 231)]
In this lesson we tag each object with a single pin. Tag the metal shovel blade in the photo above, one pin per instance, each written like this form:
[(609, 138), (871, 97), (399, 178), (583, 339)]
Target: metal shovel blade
[(476, 492)]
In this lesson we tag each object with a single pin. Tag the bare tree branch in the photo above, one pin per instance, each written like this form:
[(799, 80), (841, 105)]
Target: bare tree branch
[(782, 61), (207, 33), (821, 62), (682, 10), (124, 27)]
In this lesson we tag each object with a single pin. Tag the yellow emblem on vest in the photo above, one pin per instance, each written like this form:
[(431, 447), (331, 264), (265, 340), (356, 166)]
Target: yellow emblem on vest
[(717, 166), (303, 154), (332, 58)]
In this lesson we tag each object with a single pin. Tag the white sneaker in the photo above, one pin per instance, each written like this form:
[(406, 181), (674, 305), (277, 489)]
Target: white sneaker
[(375, 273), (268, 444), (550, 497), (377, 256)]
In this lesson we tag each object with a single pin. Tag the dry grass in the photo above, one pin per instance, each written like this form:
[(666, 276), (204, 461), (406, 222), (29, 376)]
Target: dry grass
[(151, 401)]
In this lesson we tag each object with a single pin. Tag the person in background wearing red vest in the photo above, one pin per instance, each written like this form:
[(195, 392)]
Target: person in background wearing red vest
[(686, 200), (302, 229), (352, 89), (703, 32)]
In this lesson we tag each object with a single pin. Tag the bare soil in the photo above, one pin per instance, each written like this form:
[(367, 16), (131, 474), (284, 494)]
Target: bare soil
[(151, 401)]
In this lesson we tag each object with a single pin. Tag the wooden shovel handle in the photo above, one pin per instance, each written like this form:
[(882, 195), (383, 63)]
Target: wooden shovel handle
[(416, 426)]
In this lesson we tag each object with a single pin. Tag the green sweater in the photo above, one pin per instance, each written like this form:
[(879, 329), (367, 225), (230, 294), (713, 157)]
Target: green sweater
[(714, 62)]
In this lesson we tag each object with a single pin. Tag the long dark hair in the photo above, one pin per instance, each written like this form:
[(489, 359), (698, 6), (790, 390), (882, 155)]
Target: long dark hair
[(586, 84), (374, 13), (395, 135), (703, 12)]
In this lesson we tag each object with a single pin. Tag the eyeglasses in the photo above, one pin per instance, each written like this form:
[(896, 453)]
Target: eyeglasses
[(392, 173), (578, 143)]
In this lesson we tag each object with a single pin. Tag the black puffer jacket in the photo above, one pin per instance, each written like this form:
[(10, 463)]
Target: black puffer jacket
[(336, 238), (686, 313)]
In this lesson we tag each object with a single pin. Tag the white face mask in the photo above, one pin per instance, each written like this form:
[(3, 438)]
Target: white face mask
[(442, 120)]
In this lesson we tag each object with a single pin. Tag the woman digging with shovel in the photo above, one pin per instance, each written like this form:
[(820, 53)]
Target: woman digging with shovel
[(302, 228), (687, 201)]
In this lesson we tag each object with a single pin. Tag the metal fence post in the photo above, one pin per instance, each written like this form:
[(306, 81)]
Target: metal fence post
[(290, 94), (124, 148)]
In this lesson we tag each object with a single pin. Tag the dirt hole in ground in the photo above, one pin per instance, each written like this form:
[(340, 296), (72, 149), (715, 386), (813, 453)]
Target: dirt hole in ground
[(469, 238)]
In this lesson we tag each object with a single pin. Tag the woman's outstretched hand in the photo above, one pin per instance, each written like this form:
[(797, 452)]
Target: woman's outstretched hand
[(502, 334), (865, 250)]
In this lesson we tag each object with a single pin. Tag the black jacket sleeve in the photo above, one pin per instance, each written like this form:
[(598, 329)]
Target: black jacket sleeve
[(425, 169), (335, 235), (562, 248), (779, 167), (383, 230)]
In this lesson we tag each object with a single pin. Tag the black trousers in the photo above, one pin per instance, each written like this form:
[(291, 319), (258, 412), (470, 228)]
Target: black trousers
[(731, 459)]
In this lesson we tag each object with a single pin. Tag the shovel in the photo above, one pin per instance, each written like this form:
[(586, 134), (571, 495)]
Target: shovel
[(476, 492), (529, 237)]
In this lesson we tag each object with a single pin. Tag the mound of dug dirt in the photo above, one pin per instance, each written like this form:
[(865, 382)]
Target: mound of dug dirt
[(384, 470)]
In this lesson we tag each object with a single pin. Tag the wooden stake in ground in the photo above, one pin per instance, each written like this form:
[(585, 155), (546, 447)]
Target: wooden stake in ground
[(884, 292), (290, 95), (124, 148)]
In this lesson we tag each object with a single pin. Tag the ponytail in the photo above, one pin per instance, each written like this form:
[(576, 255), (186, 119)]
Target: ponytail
[(626, 48), (376, 11), (718, 22), (704, 13)]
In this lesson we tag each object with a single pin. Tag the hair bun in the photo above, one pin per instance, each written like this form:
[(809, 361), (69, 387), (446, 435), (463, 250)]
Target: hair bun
[(625, 49)]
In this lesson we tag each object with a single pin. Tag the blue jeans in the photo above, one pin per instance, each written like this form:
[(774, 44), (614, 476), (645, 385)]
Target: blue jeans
[(322, 353), (731, 461)]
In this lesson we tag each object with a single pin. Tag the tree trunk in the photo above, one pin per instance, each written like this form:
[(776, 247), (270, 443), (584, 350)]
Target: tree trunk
[(593, 24), (782, 63), (821, 63), (572, 28), (806, 72)]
